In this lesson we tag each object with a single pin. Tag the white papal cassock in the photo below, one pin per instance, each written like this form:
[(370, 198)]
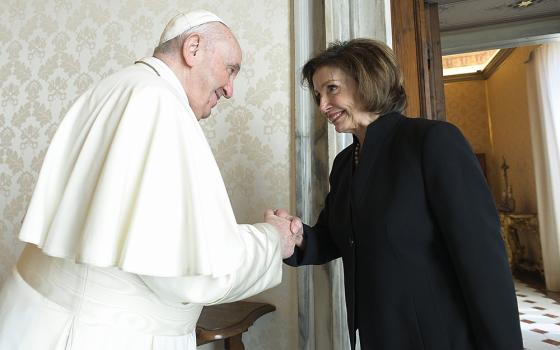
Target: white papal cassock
[(130, 229)]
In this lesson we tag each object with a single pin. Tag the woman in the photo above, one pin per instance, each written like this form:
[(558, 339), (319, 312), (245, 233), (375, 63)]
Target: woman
[(410, 214)]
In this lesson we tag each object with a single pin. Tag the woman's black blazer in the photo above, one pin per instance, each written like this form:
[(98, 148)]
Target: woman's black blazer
[(419, 235)]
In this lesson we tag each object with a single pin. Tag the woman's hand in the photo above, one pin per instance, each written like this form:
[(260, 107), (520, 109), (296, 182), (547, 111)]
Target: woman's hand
[(296, 226)]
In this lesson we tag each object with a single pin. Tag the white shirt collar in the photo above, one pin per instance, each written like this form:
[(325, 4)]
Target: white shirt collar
[(167, 74)]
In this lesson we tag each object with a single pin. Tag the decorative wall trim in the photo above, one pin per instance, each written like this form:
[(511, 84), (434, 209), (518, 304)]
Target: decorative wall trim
[(503, 35), (501, 21), (496, 62), (486, 73)]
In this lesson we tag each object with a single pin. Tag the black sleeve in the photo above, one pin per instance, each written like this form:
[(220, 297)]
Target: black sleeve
[(319, 246), (466, 215)]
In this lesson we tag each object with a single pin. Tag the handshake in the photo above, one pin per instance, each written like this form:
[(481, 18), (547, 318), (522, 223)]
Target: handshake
[(290, 229)]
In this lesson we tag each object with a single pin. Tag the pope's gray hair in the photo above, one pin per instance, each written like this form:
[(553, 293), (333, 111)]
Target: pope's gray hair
[(211, 31)]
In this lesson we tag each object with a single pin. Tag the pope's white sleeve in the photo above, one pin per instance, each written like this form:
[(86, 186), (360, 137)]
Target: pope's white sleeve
[(260, 270)]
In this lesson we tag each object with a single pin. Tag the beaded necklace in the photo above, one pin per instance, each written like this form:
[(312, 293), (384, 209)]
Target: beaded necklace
[(356, 155)]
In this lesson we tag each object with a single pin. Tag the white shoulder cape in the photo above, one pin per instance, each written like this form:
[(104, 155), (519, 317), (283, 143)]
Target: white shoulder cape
[(129, 180)]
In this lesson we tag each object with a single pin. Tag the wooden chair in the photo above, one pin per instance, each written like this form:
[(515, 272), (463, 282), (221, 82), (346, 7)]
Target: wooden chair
[(229, 322)]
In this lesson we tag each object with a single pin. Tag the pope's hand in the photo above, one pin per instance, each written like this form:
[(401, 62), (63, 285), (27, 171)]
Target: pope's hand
[(282, 225)]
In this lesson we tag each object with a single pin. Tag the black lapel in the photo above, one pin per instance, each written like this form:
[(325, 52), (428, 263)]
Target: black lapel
[(376, 135)]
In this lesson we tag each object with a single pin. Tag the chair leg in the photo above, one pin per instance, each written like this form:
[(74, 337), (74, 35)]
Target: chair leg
[(234, 343)]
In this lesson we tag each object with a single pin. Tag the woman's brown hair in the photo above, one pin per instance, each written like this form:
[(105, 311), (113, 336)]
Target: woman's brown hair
[(372, 64)]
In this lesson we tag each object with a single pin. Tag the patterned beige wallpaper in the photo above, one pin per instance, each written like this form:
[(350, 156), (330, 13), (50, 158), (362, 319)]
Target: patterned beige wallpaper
[(465, 104), (52, 50), (493, 115), (466, 107), (508, 106)]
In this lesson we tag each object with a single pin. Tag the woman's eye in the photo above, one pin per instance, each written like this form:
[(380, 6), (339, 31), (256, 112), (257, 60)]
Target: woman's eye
[(332, 88)]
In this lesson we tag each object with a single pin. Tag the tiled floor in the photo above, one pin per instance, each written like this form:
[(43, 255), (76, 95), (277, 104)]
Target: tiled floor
[(540, 318)]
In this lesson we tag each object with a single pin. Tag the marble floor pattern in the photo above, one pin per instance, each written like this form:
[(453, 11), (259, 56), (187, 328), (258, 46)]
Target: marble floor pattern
[(540, 318)]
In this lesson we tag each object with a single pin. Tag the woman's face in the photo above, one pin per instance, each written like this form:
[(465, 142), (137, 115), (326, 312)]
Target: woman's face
[(336, 94)]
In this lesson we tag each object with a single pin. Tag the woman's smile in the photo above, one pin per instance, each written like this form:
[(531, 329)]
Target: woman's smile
[(334, 116)]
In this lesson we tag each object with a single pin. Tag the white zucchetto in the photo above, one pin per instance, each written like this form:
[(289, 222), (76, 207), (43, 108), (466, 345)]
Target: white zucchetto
[(185, 21)]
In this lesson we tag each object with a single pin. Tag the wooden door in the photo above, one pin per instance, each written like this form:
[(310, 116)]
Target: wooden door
[(416, 42)]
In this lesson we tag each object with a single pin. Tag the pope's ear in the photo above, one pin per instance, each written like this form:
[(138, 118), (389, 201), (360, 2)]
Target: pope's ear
[(191, 49)]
